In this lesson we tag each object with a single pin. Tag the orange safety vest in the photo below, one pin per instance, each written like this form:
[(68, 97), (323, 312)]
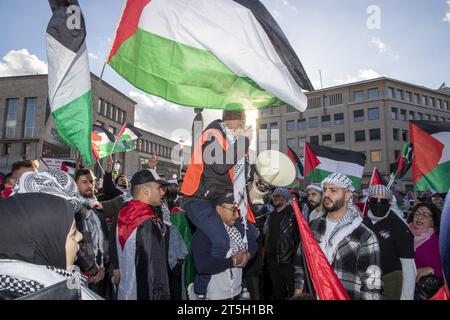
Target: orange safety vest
[(194, 171)]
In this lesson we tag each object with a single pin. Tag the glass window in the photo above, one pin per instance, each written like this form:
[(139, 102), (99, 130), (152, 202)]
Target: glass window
[(408, 96), (124, 119), (7, 149), (301, 124), (262, 137), (290, 125), (374, 113), (390, 92), (301, 141), (427, 117), (358, 96), (417, 98), (373, 93), (425, 100), (326, 101), (275, 111), (26, 149), (314, 139), (12, 109), (339, 138), (375, 156), (403, 115), (435, 118), (400, 94), (326, 121), (314, 122), (396, 134), (405, 135), (374, 134), (432, 102), (117, 115), (339, 118), (394, 113), (99, 106), (326, 137), (358, 115), (419, 116), (439, 103), (360, 135), (30, 117), (411, 115), (445, 105), (274, 136), (291, 142)]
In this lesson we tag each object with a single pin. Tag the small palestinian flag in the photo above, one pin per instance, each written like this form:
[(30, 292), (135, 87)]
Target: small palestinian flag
[(321, 161), (431, 161), (69, 78), (129, 133), (69, 167), (377, 179), (208, 53), (297, 162), (404, 161), (104, 141)]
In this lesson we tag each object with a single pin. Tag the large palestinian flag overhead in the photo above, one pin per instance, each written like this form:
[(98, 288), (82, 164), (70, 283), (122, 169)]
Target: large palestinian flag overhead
[(219, 54), (321, 161), (431, 161), (69, 78)]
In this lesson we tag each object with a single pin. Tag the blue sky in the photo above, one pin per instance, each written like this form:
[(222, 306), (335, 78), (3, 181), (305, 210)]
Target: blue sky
[(412, 43)]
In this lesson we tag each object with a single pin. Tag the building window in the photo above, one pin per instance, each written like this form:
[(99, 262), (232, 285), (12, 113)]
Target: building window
[(30, 117), (326, 138), (411, 115), (374, 113), (419, 116), (417, 98), (301, 141), (374, 134), (339, 138), (400, 94), (262, 137), (124, 119), (99, 106), (394, 113), (12, 109), (360, 135), (390, 92), (408, 96), (291, 142), (425, 100), (403, 115), (301, 124), (314, 102), (358, 115), (358, 96), (442, 119), (326, 121), (405, 135), (275, 111), (375, 156), (396, 134), (7, 149), (336, 99), (427, 117), (439, 103), (314, 139), (435, 118), (26, 149), (373, 93), (432, 102), (314, 122), (326, 102), (290, 125), (445, 105), (339, 118)]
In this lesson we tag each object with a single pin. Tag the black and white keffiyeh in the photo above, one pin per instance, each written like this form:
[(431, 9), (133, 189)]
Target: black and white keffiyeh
[(237, 243)]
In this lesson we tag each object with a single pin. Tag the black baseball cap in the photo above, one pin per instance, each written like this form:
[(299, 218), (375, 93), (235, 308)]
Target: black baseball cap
[(220, 199), (146, 176)]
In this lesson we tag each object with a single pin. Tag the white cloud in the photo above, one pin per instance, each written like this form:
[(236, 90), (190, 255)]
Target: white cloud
[(380, 45), (447, 17), (363, 74), (21, 62), (93, 56)]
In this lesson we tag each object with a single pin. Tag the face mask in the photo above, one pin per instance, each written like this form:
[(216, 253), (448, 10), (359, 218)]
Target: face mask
[(171, 195), (379, 209)]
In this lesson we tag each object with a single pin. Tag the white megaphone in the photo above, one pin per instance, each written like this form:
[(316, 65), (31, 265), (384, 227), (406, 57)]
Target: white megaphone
[(275, 168)]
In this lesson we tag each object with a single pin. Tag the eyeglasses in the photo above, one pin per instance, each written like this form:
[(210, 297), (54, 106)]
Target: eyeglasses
[(234, 209), (422, 215), (376, 200)]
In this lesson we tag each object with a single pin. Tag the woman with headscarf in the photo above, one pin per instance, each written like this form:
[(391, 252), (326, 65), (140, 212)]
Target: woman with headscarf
[(38, 247)]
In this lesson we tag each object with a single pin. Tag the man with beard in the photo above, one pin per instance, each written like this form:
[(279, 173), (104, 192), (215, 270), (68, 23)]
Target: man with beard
[(282, 240), (93, 256), (314, 193), (350, 247), (396, 245)]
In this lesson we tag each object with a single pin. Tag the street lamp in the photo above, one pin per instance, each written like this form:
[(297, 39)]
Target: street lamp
[(181, 158)]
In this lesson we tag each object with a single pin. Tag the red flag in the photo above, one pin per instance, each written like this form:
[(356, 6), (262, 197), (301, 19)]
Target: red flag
[(325, 281), (442, 294), (377, 179)]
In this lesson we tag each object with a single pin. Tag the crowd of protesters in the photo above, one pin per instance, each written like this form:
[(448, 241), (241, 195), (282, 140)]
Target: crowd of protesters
[(151, 239)]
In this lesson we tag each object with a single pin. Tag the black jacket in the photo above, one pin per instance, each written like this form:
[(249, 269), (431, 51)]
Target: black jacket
[(288, 241), (215, 178)]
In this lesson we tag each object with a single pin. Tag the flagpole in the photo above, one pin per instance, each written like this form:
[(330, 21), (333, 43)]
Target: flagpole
[(370, 183), (117, 139), (101, 168)]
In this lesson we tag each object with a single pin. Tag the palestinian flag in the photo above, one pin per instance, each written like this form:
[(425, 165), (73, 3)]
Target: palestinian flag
[(69, 80), (297, 162), (104, 141), (321, 161), (129, 133), (377, 179), (69, 167), (431, 161), (404, 161), (208, 53)]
